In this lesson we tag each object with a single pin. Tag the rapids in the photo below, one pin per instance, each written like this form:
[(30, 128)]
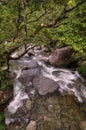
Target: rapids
[(68, 81)]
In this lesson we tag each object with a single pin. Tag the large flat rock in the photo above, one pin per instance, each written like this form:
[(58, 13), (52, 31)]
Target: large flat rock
[(44, 85)]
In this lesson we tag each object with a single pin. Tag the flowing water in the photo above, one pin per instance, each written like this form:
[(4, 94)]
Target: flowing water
[(68, 82)]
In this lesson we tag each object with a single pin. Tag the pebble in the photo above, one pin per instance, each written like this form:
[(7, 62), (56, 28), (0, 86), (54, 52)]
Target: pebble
[(31, 125)]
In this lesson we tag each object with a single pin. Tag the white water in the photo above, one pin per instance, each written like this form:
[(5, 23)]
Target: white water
[(69, 81), (19, 96), (66, 80)]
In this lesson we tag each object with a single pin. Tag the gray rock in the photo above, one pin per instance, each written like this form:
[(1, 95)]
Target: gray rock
[(61, 56), (31, 125), (30, 64), (44, 85), (28, 76), (13, 74), (31, 53), (26, 63)]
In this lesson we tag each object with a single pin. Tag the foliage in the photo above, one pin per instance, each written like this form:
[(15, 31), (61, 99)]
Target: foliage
[(39, 12), (73, 29), (5, 80), (42, 22), (1, 122), (82, 70), (7, 27), (61, 22)]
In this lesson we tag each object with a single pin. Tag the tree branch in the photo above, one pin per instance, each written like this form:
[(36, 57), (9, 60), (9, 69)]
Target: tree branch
[(16, 58), (76, 6), (57, 21), (54, 23), (38, 18)]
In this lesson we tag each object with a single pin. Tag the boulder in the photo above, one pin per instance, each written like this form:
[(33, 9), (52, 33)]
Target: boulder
[(29, 64), (61, 56), (28, 75), (44, 85)]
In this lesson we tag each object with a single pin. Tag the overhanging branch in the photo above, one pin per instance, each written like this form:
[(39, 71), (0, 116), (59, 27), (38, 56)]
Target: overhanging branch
[(38, 18), (56, 22), (76, 6), (16, 58)]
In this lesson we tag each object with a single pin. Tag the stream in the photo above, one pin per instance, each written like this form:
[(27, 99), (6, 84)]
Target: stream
[(41, 92)]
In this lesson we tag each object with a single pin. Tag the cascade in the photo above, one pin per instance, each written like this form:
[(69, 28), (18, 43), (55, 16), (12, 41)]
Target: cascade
[(34, 72)]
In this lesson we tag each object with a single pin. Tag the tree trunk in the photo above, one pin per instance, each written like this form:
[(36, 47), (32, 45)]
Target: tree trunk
[(18, 22), (24, 16)]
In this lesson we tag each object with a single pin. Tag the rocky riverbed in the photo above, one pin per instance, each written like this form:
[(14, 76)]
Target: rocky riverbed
[(45, 97)]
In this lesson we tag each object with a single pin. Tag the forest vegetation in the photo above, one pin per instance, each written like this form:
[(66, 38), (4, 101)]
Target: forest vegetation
[(57, 22), (43, 22)]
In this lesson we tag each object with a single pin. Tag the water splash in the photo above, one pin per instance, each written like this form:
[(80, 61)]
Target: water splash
[(69, 82)]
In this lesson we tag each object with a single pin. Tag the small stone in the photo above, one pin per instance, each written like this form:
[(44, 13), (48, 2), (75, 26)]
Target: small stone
[(73, 127), (66, 125), (50, 108), (83, 125), (47, 118), (31, 125), (13, 75), (29, 105), (65, 120)]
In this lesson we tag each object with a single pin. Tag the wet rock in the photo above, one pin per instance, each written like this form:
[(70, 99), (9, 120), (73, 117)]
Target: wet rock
[(29, 104), (44, 85), (31, 53), (31, 92), (47, 120), (53, 104), (31, 125), (45, 108), (61, 56), (28, 76), (49, 112), (30, 64), (13, 75), (83, 125)]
